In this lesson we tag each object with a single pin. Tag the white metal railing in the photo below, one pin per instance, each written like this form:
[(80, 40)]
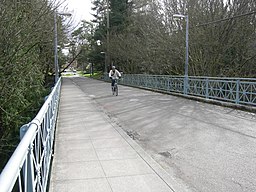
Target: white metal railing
[(28, 168)]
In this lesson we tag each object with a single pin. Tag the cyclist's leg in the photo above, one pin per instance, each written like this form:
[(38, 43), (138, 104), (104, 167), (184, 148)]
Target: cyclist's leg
[(112, 82)]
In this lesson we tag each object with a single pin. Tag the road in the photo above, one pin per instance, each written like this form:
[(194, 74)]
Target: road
[(206, 147)]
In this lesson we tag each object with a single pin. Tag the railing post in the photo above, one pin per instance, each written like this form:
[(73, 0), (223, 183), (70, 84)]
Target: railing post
[(207, 88), (146, 80), (28, 173), (237, 91), (185, 85), (168, 84), (156, 82)]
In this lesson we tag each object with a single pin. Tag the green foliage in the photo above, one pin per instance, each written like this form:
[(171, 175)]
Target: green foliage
[(96, 75), (119, 14), (85, 44), (118, 20), (26, 53)]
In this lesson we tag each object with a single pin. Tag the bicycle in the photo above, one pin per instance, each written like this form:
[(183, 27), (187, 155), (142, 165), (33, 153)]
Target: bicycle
[(115, 88)]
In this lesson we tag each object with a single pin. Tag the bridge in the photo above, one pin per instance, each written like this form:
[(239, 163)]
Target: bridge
[(140, 140)]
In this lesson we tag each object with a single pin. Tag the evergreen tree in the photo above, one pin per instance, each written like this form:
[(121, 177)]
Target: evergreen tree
[(118, 14)]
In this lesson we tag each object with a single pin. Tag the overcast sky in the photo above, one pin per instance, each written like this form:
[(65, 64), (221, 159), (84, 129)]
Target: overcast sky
[(80, 9)]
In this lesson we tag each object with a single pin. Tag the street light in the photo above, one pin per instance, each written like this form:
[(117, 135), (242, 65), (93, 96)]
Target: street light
[(107, 54), (186, 60), (56, 64), (105, 66)]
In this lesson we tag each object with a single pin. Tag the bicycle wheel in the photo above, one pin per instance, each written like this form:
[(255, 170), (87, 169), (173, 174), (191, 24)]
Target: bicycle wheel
[(113, 90)]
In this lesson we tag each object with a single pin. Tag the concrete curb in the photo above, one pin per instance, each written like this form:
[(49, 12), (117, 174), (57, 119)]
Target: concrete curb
[(174, 185), (170, 181)]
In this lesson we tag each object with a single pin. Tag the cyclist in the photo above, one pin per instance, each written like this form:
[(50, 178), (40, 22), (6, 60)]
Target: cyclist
[(114, 74)]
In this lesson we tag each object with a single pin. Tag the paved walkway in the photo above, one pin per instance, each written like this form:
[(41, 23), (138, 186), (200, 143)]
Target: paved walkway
[(92, 154)]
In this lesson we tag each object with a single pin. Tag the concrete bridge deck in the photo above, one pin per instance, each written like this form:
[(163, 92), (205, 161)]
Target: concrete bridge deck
[(144, 141)]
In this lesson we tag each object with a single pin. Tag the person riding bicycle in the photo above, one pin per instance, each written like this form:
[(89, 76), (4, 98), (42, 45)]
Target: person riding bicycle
[(114, 74)]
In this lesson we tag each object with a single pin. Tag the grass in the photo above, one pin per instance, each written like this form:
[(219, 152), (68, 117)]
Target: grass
[(67, 75), (96, 75)]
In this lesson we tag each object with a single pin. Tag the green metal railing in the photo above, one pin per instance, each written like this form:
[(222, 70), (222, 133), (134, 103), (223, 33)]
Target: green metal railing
[(234, 90)]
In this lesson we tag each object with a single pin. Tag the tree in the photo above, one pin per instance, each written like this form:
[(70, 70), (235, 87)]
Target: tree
[(154, 40), (220, 49), (118, 19), (26, 58), (84, 44), (145, 38)]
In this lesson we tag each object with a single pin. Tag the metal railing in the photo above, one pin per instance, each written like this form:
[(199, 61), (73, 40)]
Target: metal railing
[(234, 90), (28, 167)]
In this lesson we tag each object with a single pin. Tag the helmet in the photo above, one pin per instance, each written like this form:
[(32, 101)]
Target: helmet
[(113, 67)]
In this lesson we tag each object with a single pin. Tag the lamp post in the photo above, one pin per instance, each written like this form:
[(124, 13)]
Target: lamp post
[(56, 64), (107, 54), (186, 60), (105, 66)]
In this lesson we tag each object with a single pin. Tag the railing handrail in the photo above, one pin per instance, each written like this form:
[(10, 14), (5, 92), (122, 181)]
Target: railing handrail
[(197, 77), (13, 168)]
